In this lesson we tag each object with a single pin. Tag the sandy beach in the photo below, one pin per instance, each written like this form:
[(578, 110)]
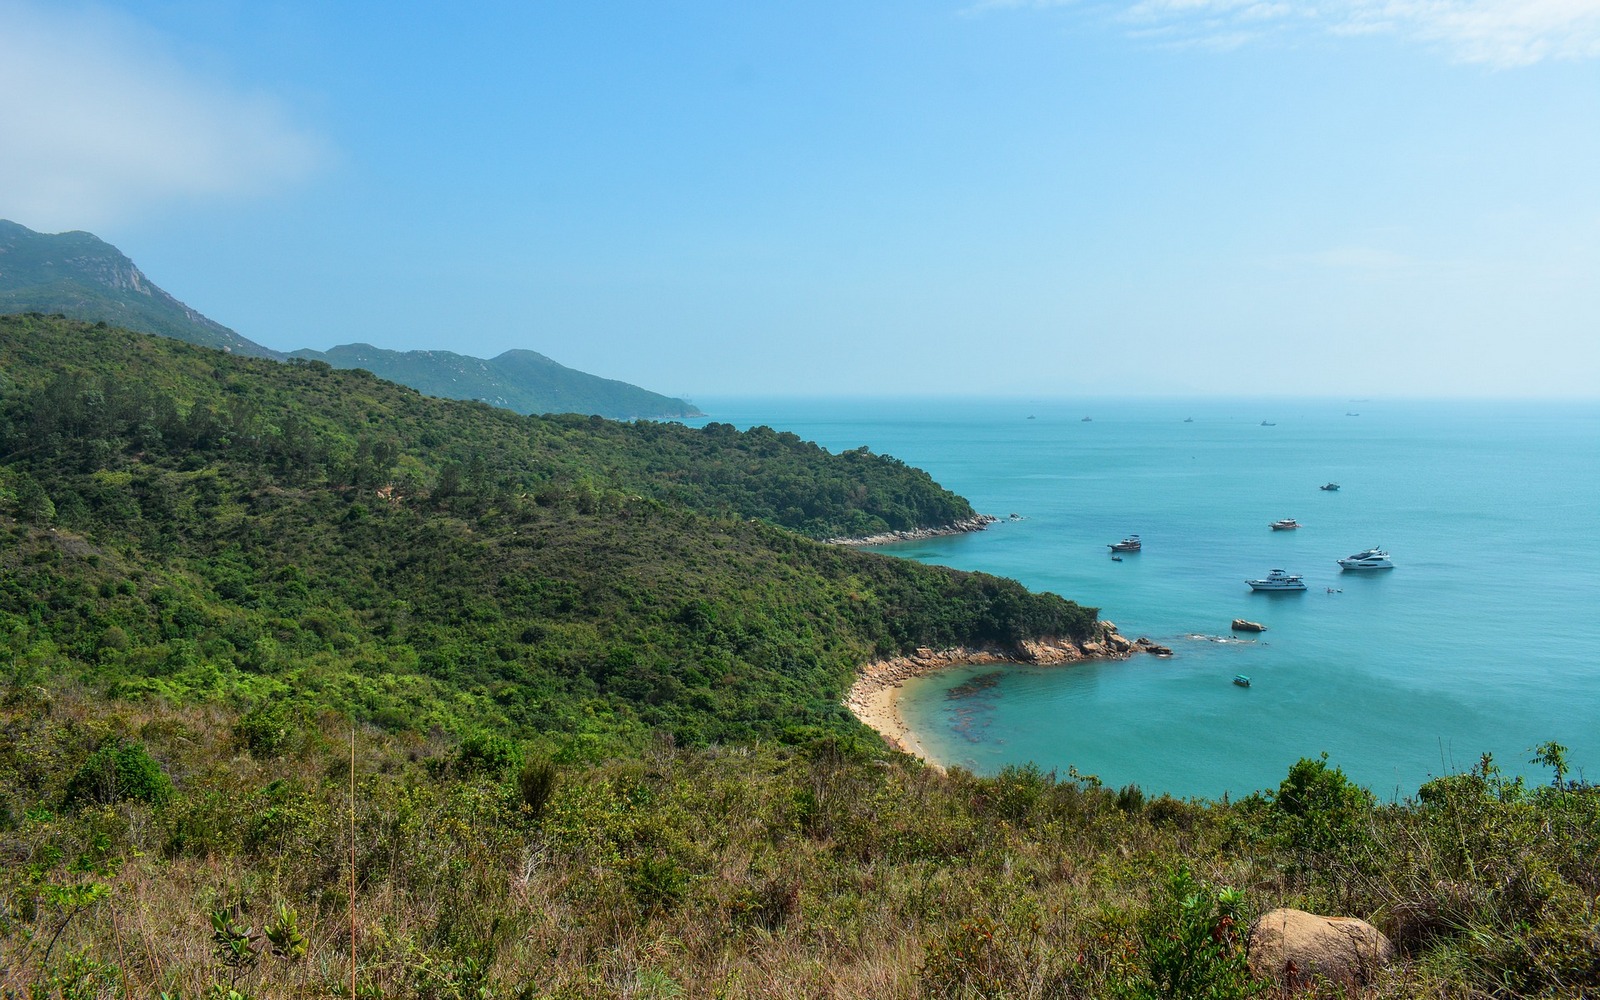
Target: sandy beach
[(874, 698)]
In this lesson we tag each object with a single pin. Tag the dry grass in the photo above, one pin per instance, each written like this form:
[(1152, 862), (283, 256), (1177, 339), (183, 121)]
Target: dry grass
[(718, 873)]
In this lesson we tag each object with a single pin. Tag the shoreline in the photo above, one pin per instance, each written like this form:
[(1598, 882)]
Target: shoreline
[(977, 522), (874, 698)]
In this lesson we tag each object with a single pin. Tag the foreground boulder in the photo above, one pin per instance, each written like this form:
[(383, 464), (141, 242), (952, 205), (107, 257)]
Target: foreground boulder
[(1295, 948)]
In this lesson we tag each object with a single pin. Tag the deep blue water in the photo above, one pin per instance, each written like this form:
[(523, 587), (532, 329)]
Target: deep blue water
[(1484, 638)]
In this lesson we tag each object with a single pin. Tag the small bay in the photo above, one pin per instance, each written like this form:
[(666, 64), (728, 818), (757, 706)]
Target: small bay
[(1484, 638)]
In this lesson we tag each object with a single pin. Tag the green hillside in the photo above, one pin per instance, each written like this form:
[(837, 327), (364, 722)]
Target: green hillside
[(517, 380), (195, 525)]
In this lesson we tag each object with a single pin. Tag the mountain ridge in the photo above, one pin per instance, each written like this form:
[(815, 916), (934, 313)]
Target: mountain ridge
[(518, 379), (82, 277)]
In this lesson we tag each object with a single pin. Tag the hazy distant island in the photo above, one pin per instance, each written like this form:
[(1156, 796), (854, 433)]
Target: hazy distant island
[(80, 276), (517, 380)]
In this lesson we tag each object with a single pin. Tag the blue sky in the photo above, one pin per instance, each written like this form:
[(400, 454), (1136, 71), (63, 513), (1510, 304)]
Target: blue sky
[(1020, 197)]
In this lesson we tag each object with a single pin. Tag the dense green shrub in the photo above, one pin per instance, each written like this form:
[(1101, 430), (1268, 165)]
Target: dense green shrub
[(1191, 944), (118, 771)]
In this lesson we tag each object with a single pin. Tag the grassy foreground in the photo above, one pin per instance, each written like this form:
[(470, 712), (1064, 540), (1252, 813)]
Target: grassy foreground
[(154, 851)]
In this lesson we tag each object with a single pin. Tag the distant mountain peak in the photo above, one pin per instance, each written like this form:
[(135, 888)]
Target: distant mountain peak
[(83, 277)]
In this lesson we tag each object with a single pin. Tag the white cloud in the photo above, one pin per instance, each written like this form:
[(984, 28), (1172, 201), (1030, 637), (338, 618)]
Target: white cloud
[(1503, 33), (100, 123)]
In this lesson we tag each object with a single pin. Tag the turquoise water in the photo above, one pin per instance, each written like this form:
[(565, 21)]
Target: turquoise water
[(1484, 638)]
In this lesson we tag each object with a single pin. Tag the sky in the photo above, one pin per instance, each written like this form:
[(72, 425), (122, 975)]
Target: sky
[(1018, 198)]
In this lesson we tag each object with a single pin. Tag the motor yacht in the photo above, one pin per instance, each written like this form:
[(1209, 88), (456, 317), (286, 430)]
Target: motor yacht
[(1284, 524), (1129, 544), (1373, 558), (1278, 580)]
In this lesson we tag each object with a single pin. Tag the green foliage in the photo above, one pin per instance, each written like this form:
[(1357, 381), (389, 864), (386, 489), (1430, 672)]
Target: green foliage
[(485, 753), (232, 941), (1554, 756), (536, 783), (283, 934), (118, 771), (1323, 816), (1191, 944), (266, 730)]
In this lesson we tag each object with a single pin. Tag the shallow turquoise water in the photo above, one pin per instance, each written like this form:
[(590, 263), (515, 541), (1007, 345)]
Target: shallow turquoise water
[(1485, 638)]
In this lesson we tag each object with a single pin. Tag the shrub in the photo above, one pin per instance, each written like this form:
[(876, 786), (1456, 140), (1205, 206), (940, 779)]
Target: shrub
[(119, 771), (536, 782), (265, 730), (1322, 815), (1191, 945), (485, 753)]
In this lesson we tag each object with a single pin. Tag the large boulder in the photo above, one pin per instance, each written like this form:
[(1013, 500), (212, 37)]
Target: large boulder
[(1295, 947)]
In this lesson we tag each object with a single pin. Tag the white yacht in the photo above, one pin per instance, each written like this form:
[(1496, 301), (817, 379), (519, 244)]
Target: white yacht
[(1284, 524), (1278, 580), (1373, 558)]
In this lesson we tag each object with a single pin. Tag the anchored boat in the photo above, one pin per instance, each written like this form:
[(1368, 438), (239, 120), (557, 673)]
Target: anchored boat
[(1373, 558), (1278, 580)]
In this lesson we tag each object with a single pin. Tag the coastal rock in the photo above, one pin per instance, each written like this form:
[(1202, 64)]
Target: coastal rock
[(1152, 647), (977, 522), (1295, 948), (871, 697), (1049, 651)]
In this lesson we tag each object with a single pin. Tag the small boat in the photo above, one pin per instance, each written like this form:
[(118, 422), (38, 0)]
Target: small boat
[(1086, 420), (1330, 487), (1278, 580), (1116, 558), (1188, 420), (1284, 524), (1268, 423), (1241, 680), (1241, 625), (1129, 544), (1373, 558)]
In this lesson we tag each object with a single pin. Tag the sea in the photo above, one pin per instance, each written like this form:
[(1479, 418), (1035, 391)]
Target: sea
[(1483, 639)]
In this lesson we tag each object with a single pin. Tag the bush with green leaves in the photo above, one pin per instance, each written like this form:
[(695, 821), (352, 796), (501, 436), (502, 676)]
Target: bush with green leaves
[(1324, 818), (1191, 944), (118, 771)]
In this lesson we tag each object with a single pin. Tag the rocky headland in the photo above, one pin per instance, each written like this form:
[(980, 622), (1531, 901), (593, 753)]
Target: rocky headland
[(977, 522)]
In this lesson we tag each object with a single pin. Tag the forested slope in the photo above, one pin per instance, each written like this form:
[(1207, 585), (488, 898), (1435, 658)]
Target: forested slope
[(193, 525)]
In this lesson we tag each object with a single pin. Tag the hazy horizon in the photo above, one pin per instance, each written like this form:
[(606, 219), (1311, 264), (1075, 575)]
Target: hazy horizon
[(1013, 198)]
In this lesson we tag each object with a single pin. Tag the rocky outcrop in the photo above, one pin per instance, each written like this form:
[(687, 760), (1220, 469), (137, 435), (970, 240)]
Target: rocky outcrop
[(1295, 948), (1108, 644), (977, 522)]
